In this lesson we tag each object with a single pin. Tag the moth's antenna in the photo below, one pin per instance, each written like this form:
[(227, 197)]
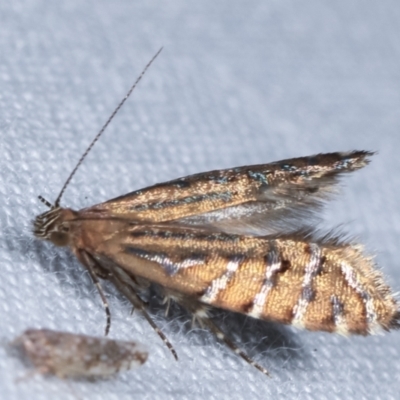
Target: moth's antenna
[(96, 138), (45, 202)]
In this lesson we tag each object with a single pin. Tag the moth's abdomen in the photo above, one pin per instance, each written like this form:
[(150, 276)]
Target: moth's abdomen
[(334, 289)]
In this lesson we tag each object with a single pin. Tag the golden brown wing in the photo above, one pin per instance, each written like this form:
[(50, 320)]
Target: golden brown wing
[(316, 284), (239, 200)]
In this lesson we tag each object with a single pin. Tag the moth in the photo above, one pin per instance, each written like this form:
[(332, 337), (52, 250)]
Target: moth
[(239, 239), (69, 355)]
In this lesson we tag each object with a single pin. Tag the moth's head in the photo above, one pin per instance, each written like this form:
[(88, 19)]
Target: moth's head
[(54, 225)]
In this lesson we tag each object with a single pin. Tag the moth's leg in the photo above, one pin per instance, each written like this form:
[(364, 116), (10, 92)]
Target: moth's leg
[(122, 282), (100, 272), (139, 285), (167, 301), (200, 315), (92, 268), (224, 338)]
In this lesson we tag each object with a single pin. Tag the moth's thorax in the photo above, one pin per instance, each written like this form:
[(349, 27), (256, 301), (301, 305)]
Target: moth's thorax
[(55, 225), (89, 231)]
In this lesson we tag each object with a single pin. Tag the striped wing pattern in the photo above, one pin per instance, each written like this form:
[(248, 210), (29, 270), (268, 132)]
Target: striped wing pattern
[(251, 199), (316, 285)]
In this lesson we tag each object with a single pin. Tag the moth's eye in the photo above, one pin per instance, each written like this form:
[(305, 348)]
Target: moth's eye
[(64, 228), (59, 238)]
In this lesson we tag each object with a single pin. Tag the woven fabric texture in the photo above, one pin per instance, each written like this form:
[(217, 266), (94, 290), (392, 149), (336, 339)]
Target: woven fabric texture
[(237, 83)]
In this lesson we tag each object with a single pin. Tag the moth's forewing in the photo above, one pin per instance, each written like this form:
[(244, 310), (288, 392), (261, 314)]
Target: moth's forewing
[(239, 199), (317, 285)]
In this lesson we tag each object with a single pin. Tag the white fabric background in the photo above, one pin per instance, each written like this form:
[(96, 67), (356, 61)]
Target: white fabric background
[(237, 83)]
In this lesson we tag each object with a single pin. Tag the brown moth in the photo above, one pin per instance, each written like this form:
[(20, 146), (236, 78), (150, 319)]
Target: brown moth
[(239, 239), (69, 355)]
